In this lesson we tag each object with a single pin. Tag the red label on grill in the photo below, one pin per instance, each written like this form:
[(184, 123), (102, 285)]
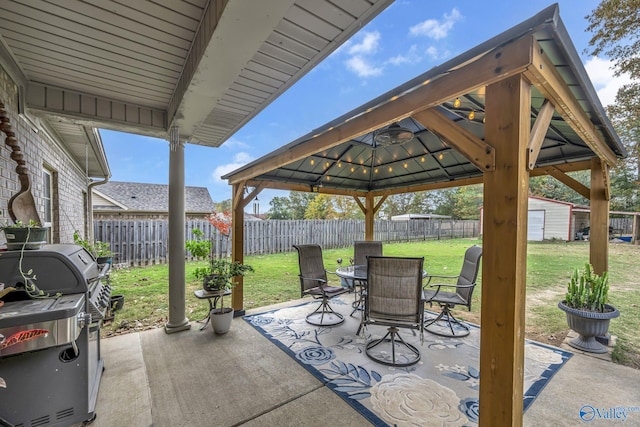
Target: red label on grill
[(23, 336)]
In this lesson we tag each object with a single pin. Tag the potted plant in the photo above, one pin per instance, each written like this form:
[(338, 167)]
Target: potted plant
[(218, 277), (101, 251), (20, 235), (587, 310)]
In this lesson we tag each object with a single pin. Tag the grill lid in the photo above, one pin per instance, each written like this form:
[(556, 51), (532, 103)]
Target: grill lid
[(58, 268)]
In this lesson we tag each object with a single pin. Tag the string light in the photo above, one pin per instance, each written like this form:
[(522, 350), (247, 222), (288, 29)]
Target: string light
[(456, 103), (328, 178), (364, 170), (313, 161), (326, 165), (375, 170), (422, 159), (405, 165), (390, 169), (440, 156), (353, 169), (339, 164), (472, 115)]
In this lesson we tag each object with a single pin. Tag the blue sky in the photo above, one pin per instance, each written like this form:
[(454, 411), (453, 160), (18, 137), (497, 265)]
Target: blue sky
[(407, 39)]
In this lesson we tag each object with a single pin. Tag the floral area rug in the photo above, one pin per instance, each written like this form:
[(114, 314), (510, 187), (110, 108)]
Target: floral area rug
[(441, 389)]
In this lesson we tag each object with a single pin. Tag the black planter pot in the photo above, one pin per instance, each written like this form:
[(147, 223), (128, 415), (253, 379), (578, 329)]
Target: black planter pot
[(117, 302), (27, 237), (589, 325), (102, 260), (211, 283)]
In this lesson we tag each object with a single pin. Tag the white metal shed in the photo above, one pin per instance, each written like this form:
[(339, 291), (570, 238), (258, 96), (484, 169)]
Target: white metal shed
[(548, 219)]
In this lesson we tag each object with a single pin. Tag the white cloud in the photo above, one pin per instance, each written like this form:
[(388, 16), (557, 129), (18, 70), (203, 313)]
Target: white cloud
[(411, 57), (360, 54), (362, 67), (434, 28), (235, 144), (239, 160), (606, 84), (369, 44)]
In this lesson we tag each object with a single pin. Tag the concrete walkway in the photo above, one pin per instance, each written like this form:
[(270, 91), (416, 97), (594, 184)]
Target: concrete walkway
[(195, 378)]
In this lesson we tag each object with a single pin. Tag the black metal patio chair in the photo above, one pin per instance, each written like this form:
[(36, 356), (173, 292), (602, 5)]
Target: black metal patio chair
[(394, 299), (445, 324), (313, 281)]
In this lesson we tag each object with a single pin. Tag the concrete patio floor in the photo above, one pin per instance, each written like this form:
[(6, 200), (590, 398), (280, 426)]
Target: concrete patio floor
[(195, 378)]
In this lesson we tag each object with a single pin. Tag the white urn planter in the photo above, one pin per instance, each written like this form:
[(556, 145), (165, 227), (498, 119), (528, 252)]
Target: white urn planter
[(221, 320)]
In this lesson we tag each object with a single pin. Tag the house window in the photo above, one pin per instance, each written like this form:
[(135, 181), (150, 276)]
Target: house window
[(47, 196)]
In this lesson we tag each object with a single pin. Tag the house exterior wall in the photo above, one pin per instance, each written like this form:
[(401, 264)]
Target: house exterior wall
[(40, 151), (557, 218)]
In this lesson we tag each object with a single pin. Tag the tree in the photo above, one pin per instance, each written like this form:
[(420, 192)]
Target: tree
[(616, 34), (444, 201), (615, 25), (551, 188), (319, 208), (397, 204), (279, 208), (223, 206), (468, 200), (299, 202), (345, 207)]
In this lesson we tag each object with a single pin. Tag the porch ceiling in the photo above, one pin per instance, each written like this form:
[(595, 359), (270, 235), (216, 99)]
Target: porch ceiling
[(448, 148), (205, 66)]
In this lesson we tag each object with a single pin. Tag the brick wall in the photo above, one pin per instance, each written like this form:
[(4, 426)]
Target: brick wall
[(69, 183)]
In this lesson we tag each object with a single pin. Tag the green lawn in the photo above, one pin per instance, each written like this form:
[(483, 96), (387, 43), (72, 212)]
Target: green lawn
[(549, 266)]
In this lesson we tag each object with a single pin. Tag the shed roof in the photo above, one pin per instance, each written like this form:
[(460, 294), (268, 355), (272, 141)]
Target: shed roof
[(141, 197), (448, 149)]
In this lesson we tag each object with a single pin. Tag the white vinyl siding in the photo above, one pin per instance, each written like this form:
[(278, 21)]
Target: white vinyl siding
[(557, 218)]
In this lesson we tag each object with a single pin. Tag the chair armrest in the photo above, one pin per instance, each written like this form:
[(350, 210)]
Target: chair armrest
[(321, 281), (449, 285), (441, 277), (430, 277)]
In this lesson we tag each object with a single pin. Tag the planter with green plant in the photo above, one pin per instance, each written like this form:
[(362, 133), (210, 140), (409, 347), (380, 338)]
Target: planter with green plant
[(588, 312), (101, 251), (21, 235), (218, 277)]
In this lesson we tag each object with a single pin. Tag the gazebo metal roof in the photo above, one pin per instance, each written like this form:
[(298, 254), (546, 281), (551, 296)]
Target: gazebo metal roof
[(352, 164)]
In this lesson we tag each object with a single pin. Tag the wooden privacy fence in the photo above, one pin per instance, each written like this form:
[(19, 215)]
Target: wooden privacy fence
[(136, 243)]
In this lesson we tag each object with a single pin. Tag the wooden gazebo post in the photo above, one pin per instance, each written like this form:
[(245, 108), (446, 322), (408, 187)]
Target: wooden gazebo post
[(507, 124), (237, 245), (599, 221), (369, 215)]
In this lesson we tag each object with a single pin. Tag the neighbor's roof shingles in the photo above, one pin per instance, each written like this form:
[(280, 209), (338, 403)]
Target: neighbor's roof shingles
[(142, 197)]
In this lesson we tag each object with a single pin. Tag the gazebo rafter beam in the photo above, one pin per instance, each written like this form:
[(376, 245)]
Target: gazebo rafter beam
[(473, 148), (538, 132), (570, 182), (544, 76)]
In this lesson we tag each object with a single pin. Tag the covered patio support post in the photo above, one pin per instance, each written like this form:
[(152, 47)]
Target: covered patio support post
[(599, 221), (368, 217), (237, 245), (508, 119), (177, 292)]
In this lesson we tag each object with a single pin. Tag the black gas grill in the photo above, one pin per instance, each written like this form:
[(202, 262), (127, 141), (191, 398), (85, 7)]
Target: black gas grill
[(50, 364)]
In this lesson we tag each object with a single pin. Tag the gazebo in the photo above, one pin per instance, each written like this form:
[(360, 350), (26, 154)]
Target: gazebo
[(517, 106)]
